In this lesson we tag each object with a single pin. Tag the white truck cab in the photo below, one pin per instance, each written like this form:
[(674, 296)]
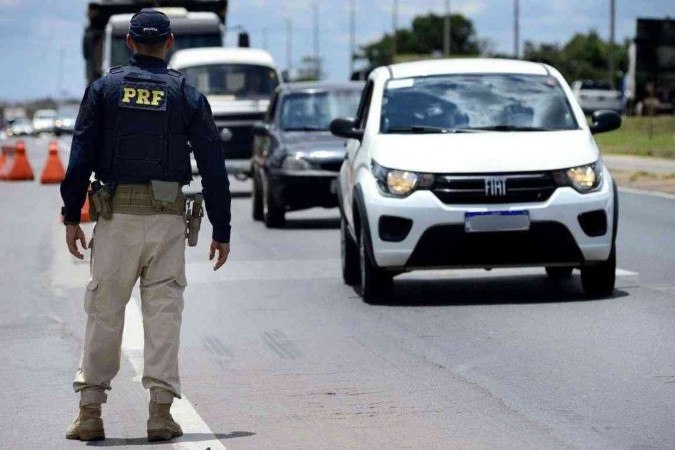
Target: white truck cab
[(191, 29), (238, 83)]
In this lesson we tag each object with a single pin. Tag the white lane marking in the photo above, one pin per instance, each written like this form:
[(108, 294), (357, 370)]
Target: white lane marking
[(625, 273), (182, 410), (650, 193)]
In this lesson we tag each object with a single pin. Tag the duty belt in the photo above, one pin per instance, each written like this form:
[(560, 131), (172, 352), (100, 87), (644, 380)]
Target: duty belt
[(138, 199)]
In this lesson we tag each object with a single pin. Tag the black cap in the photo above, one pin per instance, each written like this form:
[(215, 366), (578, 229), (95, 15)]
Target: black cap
[(149, 26)]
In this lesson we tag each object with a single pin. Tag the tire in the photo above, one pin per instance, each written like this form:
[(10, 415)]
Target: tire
[(349, 256), (257, 208), (559, 273), (377, 286), (599, 280), (274, 214)]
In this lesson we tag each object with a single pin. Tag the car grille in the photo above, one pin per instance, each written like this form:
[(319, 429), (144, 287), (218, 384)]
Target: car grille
[(476, 189), (331, 166), (241, 144)]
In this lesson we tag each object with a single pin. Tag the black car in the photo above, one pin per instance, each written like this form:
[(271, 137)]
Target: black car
[(296, 160)]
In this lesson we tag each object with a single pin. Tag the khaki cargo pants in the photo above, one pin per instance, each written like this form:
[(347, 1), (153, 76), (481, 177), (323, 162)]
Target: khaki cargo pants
[(126, 248)]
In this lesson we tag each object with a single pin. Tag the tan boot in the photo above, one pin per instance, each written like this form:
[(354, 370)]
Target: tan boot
[(88, 425), (161, 426)]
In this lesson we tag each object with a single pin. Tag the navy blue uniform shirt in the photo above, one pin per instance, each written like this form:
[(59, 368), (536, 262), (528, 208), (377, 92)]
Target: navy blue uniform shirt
[(202, 134)]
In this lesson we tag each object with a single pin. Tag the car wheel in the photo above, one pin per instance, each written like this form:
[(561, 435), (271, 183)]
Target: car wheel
[(257, 209), (599, 280), (377, 286), (274, 214), (349, 255), (559, 273)]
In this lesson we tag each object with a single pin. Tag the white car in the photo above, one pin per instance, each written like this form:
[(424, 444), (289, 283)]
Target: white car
[(21, 127), (44, 120), (238, 83), (474, 163), (595, 95)]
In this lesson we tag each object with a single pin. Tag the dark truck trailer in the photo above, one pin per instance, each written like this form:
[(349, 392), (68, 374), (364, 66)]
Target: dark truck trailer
[(100, 11), (651, 72)]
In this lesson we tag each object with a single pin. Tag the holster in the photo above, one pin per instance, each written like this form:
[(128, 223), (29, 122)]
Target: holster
[(101, 203), (193, 220)]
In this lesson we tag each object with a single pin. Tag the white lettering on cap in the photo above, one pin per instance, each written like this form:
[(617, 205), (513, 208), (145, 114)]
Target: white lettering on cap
[(149, 29)]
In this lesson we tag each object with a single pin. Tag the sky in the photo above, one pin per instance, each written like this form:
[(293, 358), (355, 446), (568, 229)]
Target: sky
[(40, 40)]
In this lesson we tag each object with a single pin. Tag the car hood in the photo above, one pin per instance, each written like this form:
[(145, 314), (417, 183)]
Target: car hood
[(314, 145), (485, 152), (223, 104), (599, 93)]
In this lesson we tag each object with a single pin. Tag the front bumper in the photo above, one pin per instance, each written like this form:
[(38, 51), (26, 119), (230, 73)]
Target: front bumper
[(303, 189), (437, 238)]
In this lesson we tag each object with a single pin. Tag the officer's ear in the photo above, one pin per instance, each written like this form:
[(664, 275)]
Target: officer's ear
[(130, 43), (169, 41)]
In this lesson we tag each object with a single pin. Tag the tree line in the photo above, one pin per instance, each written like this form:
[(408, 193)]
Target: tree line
[(585, 55)]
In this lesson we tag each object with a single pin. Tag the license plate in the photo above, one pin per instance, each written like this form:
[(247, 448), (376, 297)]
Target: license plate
[(482, 222)]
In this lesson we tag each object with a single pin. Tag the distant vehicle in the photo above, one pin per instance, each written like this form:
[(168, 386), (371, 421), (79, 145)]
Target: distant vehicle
[(191, 29), (238, 83), (21, 126), (595, 95), (99, 13), (474, 163), (44, 121), (295, 158), (650, 80), (65, 119)]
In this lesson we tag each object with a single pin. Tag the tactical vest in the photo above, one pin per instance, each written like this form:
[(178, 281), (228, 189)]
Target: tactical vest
[(145, 132)]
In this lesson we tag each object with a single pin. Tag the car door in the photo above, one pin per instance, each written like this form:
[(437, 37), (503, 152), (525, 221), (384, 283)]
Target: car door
[(353, 146)]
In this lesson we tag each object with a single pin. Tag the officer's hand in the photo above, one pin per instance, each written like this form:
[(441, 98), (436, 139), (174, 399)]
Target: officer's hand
[(74, 233), (223, 251)]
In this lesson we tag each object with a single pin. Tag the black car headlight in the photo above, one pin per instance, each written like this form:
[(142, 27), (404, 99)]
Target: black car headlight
[(583, 179), (400, 183)]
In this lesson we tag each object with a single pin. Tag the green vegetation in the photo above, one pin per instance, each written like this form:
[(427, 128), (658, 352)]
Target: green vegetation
[(641, 136)]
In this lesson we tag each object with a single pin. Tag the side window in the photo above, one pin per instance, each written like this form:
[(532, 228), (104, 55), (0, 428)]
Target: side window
[(269, 116), (364, 106)]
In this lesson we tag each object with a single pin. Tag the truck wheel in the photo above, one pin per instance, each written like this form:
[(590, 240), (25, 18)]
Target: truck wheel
[(377, 286), (274, 214), (599, 280), (257, 199), (559, 273), (349, 255)]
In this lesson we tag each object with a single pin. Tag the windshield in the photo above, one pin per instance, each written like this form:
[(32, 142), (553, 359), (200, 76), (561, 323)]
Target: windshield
[(497, 102), (596, 85), (239, 80), (68, 112), (45, 115), (120, 53), (315, 110)]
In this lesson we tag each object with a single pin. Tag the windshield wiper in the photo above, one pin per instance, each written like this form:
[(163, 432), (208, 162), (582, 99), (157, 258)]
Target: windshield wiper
[(510, 128), (426, 129), (306, 128)]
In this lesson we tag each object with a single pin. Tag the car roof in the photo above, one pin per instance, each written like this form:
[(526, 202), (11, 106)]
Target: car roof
[(305, 86), (220, 55), (464, 65)]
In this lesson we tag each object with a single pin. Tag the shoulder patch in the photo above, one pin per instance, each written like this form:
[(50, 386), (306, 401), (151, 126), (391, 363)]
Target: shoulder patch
[(116, 69), (175, 73), (145, 96)]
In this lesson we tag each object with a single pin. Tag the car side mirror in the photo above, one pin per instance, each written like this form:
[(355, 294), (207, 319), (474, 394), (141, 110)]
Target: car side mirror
[(260, 129), (345, 128), (603, 121)]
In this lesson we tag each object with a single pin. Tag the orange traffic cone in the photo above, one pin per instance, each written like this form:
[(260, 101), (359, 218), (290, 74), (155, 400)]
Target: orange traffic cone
[(21, 169), (5, 158), (53, 171)]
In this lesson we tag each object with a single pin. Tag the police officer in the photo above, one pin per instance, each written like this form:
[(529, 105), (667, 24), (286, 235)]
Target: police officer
[(135, 129)]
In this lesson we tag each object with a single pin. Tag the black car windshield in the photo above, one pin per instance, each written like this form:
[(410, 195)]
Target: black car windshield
[(475, 102), (238, 80), (309, 111), (120, 53), (596, 85)]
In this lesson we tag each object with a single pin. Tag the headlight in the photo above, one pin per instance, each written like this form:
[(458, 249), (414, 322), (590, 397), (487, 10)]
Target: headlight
[(583, 178), (400, 183), (296, 162)]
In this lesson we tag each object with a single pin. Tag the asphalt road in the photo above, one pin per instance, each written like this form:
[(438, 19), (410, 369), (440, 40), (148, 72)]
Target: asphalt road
[(278, 354)]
